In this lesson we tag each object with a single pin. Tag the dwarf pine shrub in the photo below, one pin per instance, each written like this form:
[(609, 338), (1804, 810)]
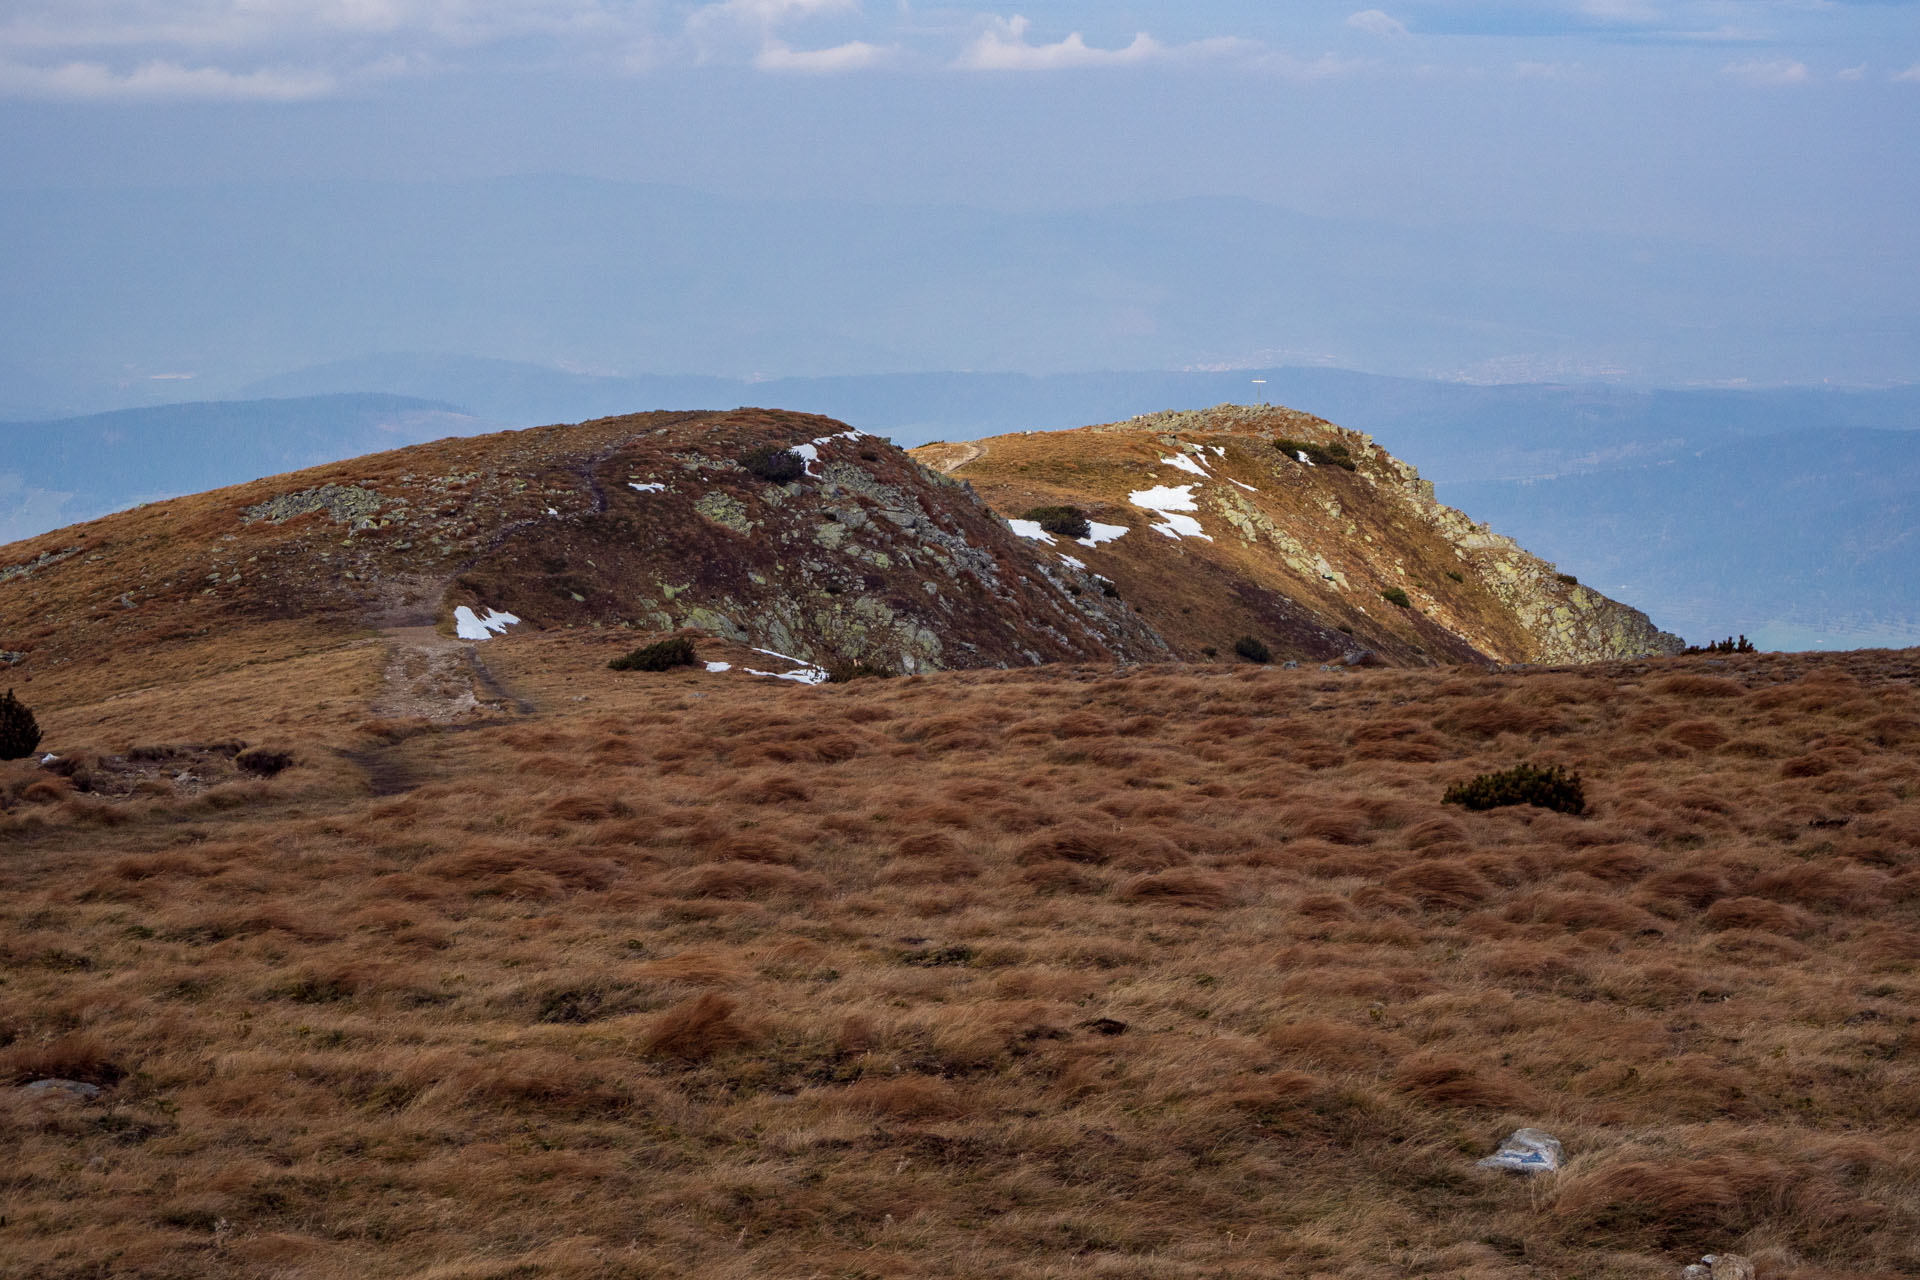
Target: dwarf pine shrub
[(1549, 788), (1729, 645), (662, 655), (1068, 522), (1320, 455), (1397, 595), (774, 464), (1253, 649), (19, 731)]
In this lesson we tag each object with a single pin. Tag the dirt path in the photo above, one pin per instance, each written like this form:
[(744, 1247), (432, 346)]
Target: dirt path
[(947, 458), (430, 676)]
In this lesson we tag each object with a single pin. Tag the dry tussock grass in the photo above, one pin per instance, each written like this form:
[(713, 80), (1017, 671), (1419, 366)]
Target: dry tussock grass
[(1071, 972)]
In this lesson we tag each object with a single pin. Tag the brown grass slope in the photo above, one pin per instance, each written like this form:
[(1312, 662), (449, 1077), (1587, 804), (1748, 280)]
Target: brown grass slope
[(1300, 555), (869, 558), (1077, 971)]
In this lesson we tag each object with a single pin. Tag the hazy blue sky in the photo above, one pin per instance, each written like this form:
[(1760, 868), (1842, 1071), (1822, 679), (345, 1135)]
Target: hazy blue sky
[(1788, 129)]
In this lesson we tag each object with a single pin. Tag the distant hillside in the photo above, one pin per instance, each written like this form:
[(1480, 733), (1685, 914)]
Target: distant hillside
[(58, 472), (1803, 539), (1450, 430), (1267, 523)]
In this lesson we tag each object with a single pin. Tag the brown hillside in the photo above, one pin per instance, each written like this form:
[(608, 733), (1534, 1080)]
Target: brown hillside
[(1076, 971), (648, 521), (1259, 540)]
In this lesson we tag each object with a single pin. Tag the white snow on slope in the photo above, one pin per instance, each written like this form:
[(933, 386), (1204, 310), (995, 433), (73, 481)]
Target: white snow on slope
[(1031, 529), (1184, 463), (717, 667), (1165, 498), (1098, 533), (1169, 501), (1249, 488), (809, 454), (1078, 564), (653, 487), (807, 674), (469, 625)]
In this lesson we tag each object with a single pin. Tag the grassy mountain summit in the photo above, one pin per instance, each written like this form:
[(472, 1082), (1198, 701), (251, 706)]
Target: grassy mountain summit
[(1208, 531)]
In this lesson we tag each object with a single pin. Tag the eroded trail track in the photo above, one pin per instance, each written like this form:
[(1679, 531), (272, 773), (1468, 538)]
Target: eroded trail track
[(433, 677)]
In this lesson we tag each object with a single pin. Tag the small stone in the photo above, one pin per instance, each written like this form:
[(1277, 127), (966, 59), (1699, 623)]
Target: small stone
[(54, 1088), (1527, 1151)]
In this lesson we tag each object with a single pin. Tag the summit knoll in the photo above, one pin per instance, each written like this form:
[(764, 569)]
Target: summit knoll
[(796, 535)]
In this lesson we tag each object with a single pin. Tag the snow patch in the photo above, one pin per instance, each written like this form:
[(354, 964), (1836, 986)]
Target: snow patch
[(1098, 533), (1168, 501), (1182, 462), (1175, 525), (552, 512), (1165, 498), (807, 674), (1249, 488), (469, 625), (1219, 450), (1031, 529), (718, 667), (652, 487), (1081, 565), (809, 454), (1303, 457)]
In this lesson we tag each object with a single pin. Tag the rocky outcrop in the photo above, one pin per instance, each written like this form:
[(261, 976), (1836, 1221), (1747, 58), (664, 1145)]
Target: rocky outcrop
[(1310, 557)]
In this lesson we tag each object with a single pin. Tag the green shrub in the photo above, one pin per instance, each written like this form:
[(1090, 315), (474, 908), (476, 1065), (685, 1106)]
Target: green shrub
[(1456, 575), (774, 464), (1396, 595), (1568, 579), (662, 655), (1068, 522), (1549, 788), (1321, 455), (1729, 645), (1253, 649), (19, 731)]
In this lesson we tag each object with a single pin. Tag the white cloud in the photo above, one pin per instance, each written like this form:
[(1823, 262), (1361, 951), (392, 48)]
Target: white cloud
[(96, 82), (1003, 46), (1851, 74), (1910, 76), (1376, 23), (1781, 71), (856, 55)]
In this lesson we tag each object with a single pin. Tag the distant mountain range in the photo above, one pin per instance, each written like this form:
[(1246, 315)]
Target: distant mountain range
[(60, 472), (1781, 513)]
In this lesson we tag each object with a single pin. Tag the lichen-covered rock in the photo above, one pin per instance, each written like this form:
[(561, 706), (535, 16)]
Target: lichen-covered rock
[(348, 504)]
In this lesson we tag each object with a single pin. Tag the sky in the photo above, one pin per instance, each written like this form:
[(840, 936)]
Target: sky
[(1784, 129)]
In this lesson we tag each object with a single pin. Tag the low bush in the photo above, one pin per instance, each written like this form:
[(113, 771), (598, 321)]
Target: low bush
[(774, 464), (1456, 575), (19, 731), (1549, 788), (1320, 455), (1567, 579), (1397, 595), (1729, 645), (1068, 522), (1253, 649), (265, 761), (662, 655)]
